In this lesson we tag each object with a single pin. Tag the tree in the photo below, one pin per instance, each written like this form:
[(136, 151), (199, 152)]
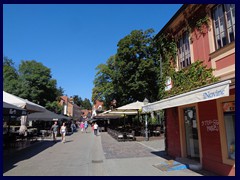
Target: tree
[(37, 84), (86, 104), (131, 74), (103, 84), (10, 76), (77, 100), (32, 81), (137, 67)]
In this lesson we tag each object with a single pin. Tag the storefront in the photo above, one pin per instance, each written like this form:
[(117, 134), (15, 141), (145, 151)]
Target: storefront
[(204, 121)]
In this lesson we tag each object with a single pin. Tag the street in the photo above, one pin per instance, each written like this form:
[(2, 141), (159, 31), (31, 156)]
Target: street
[(85, 154)]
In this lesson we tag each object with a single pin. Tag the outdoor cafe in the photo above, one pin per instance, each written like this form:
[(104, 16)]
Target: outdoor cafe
[(128, 123), (25, 122)]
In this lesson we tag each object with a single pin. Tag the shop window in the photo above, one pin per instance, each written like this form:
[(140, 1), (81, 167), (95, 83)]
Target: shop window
[(226, 115), (229, 122), (224, 24)]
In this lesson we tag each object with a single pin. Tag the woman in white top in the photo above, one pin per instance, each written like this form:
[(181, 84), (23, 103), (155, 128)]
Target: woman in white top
[(63, 131)]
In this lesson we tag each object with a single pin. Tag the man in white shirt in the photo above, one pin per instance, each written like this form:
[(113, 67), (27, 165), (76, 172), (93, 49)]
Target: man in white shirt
[(95, 127)]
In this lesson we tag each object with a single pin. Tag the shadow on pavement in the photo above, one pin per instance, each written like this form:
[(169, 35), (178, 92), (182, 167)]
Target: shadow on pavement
[(9, 160), (162, 154)]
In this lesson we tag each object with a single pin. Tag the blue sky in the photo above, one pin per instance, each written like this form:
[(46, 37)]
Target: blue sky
[(72, 40)]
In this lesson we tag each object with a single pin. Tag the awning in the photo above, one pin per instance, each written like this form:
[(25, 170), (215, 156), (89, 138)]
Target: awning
[(22, 103), (11, 110), (206, 93), (46, 116)]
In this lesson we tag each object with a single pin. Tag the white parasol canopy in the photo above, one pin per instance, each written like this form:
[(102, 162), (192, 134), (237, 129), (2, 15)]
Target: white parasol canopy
[(132, 106), (22, 103)]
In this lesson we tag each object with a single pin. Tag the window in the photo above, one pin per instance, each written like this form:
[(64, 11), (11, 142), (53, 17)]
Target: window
[(224, 24), (226, 115), (229, 121), (184, 55)]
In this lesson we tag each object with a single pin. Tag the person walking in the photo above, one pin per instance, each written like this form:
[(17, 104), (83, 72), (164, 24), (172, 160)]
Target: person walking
[(73, 127), (95, 127), (63, 131), (85, 126), (82, 126), (54, 130)]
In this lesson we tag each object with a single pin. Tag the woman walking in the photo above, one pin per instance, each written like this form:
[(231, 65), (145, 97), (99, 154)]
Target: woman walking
[(63, 131)]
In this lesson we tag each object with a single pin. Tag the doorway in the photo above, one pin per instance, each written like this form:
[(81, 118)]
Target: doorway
[(191, 133)]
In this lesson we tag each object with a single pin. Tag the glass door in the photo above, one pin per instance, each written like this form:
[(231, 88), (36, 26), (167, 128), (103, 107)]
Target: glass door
[(191, 133)]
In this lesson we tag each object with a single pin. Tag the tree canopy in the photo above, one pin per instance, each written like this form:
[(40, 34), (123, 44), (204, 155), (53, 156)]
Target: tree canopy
[(32, 81), (84, 104), (131, 74)]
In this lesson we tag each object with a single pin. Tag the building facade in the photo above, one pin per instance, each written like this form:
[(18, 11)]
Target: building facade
[(200, 124), (69, 108)]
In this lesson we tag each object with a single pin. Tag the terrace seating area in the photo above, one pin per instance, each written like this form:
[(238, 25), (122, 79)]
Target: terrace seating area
[(120, 135)]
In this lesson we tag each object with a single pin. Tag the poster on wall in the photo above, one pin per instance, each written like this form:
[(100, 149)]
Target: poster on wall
[(228, 106)]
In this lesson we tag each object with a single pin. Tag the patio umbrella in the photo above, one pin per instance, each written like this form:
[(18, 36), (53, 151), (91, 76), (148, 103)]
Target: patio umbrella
[(132, 106), (135, 106), (11, 110), (46, 115), (22, 103)]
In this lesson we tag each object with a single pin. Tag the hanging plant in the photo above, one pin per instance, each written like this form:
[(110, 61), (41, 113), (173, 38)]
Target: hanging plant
[(202, 22)]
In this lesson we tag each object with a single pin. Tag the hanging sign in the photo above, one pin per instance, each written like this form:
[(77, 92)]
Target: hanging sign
[(168, 83)]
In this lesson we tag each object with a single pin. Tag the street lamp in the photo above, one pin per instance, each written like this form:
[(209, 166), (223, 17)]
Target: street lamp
[(145, 101)]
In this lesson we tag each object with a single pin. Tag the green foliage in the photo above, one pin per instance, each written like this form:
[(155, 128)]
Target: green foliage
[(103, 83), (185, 80), (77, 100), (32, 81), (86, 104), (153, 121), (37, 84), (54, 107), (131, 74), (10, 76), (137, 70), (190, 78), (202, 21)]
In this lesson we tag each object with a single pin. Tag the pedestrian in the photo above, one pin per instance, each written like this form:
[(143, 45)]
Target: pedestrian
[(63, 131), (95, 127), (54, 130), (85, 126), (73, 127), (82, 126)]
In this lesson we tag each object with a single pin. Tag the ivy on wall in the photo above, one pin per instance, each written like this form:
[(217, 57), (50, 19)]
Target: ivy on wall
[(190, 78), (187, 79)]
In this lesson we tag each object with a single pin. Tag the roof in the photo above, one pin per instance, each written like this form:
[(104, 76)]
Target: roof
[(183, 7)]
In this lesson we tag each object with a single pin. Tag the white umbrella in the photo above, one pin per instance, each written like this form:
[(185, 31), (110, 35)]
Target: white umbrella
[(135, 106), (132, 106), (22, 103)]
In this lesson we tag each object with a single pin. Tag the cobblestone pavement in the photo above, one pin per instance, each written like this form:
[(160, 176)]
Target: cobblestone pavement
[(133, 154), (129, 149), (84, 154)]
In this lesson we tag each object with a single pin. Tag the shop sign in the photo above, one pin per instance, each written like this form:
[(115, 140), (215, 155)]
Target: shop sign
[(212, 94)]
